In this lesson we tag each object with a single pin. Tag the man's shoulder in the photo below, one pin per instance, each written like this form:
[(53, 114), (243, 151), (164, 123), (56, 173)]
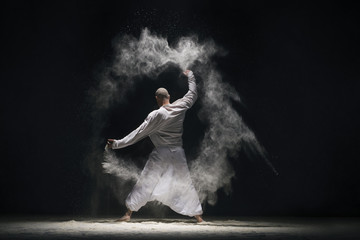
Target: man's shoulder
[(157, 113), (153, 113)]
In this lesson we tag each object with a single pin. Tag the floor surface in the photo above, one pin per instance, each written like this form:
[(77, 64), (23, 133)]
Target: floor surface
[(212, 228)]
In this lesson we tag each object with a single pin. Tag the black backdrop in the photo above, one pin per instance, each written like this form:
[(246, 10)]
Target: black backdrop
[(295, 66)]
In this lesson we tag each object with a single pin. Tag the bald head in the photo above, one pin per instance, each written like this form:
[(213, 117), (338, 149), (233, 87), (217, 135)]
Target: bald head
[(162, 97), (162, 93)]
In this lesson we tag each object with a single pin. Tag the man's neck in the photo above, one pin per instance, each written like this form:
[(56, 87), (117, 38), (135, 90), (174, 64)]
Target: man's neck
[(165, 103)]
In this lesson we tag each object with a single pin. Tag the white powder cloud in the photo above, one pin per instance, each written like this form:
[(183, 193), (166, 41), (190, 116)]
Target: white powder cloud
[(226, 133)]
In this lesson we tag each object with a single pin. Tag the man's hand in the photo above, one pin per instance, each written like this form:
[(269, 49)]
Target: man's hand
[(186, 72), (110, 143)]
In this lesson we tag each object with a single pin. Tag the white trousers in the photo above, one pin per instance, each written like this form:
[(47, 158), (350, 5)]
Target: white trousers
[(166, 178)]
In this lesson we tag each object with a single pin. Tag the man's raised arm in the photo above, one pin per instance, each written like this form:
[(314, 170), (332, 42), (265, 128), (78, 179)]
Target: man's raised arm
[(190, 97)]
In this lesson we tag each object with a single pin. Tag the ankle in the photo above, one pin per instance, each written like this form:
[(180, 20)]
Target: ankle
[(128, 213), (199, 218)]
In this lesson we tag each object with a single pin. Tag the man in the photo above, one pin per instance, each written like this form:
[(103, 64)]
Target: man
[(165, 177)]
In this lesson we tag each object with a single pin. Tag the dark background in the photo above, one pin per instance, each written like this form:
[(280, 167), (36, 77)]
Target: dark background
[(295, 66)]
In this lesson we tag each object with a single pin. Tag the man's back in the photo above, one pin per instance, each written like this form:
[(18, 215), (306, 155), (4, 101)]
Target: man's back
[(170, 128)]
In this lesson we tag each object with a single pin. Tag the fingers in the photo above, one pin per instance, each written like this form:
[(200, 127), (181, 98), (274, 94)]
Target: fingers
[(186, 72)]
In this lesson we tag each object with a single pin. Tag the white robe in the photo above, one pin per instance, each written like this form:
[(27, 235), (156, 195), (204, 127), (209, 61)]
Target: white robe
[(165, 177)]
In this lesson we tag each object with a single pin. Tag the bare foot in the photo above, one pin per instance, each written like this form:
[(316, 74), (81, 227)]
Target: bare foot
[(199, 218), (125, 218)]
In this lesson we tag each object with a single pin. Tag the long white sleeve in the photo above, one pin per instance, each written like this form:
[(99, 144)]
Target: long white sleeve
[(190, 97), (150, 125)]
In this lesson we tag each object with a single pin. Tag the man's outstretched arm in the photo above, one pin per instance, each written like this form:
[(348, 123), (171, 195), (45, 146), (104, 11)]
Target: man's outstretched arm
[(150, 125)]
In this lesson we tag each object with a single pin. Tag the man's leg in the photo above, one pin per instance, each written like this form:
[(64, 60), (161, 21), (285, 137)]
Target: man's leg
[(141, 192), (186, 198)]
